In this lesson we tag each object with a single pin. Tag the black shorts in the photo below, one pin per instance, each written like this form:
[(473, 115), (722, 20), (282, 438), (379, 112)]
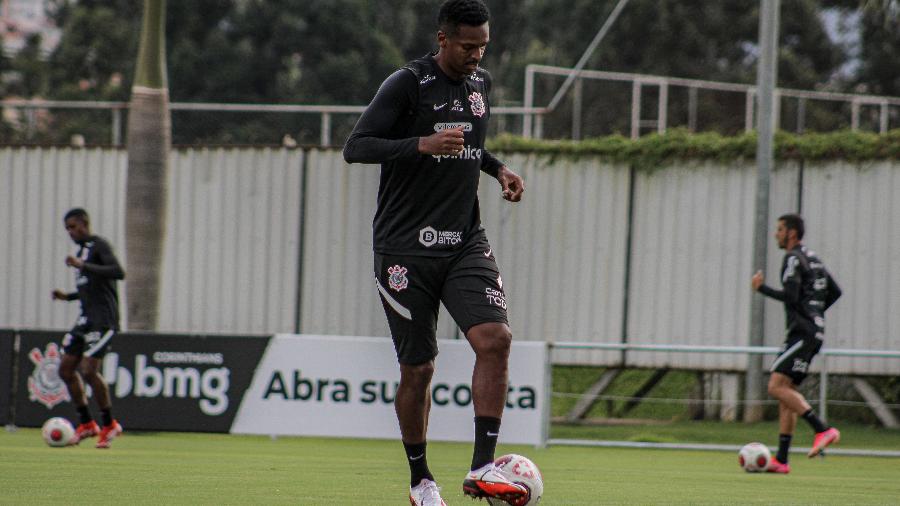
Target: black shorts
[(412, 287), (796, 355), (87, 340)]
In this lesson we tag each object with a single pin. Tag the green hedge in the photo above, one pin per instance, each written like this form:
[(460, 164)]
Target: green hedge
[(656, 150)]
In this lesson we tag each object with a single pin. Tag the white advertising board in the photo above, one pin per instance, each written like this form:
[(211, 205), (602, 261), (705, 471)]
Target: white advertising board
[(344, 386)]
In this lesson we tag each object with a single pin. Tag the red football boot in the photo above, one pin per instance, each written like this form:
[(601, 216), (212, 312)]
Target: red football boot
[(84, 431), (109, 433), (823, 439)]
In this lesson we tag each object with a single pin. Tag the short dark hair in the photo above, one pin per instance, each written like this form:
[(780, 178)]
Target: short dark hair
[(77, 212), (462, 12), (793, 221)]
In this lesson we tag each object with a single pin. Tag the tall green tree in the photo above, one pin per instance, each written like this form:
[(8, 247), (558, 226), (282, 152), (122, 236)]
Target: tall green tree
[(880, 51), (339, 51), (149, 138)]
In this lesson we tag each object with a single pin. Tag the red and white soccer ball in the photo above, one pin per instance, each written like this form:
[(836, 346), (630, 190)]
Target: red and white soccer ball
[(57, 432), (754, 457), (519, 469)]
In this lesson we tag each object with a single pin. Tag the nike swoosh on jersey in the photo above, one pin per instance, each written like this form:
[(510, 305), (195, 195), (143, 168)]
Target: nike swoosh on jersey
[(436, 106)]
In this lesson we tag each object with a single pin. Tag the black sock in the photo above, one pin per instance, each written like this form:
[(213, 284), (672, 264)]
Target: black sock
[(784, 445), (814, 421), (418, 464), (486, 431), (106, 415), (83, 414)]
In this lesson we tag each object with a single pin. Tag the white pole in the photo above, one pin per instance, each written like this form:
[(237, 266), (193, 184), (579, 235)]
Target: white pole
[(528, 117)]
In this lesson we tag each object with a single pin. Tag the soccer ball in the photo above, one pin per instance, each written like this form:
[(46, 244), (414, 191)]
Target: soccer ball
[(521, 470), (754, 457), (57, 431)]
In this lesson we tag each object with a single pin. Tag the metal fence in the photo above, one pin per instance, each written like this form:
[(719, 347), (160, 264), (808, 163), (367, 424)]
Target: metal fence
[(326, 113), (822, 365), (888, 108), (279, 240), (884, 109)]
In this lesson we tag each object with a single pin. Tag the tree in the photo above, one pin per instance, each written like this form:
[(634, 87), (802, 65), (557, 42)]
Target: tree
[(701, 40), (149, 137), (880, 51), (339, 51)]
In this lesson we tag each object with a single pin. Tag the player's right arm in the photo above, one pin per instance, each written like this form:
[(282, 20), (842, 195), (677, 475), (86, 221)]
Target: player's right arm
[(371, 140), (790, 280), (61, 295)]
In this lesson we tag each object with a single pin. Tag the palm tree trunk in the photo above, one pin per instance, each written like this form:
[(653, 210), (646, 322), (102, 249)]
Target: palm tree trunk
[(149, 138)]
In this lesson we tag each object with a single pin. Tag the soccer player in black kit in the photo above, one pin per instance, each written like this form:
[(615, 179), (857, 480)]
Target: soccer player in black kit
[(808, 291), (426, 127), (86, 344)]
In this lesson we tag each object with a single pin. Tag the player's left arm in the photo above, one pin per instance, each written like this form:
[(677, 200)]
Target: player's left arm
[(109, 266), (832, 291), (511, 183)]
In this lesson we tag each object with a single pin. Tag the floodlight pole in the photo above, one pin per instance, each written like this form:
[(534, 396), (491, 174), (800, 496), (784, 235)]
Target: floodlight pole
[(564, 88), (587, 53), (766, 77)]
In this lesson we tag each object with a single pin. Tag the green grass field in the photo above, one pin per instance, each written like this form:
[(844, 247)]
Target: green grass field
[(178, 468)]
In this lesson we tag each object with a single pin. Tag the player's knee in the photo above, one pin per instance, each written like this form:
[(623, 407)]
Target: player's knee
[(92, 376), (775, 389), (419, 373), (495, 342)]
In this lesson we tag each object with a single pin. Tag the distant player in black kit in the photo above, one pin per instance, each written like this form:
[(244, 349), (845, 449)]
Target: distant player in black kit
[(808, 291), (426, 127), (86, 344)]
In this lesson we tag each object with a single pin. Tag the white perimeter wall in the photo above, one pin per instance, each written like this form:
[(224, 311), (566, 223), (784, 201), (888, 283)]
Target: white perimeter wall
[(234, 254)]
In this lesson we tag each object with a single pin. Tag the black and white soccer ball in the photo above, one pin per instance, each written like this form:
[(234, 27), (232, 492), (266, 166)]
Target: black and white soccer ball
[(57, 431), (754, 457), (521, 470)]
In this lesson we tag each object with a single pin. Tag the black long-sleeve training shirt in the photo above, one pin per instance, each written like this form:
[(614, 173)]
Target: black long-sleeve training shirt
[(808, 291), (427, 204), (96, 283)]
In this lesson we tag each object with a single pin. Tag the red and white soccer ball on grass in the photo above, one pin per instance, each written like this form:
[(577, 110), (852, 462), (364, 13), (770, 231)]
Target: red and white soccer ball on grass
[(521, 470), (754, 457), (57, 431)]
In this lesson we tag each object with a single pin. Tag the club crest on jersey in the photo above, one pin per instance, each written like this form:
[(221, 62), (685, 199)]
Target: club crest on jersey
[(397, 278), (44, 384), (476, 103)]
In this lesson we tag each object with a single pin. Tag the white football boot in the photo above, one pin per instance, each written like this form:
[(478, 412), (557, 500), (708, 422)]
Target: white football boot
[(489, 482), (426, 493)]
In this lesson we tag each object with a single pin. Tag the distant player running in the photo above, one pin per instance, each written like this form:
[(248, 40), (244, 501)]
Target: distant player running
[(426, 127), (808, 291), (86, 344)]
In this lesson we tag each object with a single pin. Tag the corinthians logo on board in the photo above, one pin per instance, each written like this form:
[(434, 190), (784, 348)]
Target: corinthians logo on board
[(45, 385)]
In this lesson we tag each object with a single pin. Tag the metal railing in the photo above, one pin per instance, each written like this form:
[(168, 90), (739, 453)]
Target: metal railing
[(325, 112), (532, 115), (748, 350), (663, 83)]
